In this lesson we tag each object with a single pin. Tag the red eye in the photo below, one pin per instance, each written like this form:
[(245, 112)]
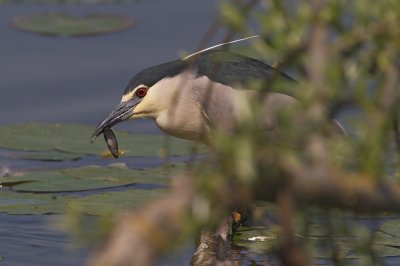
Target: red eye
[(141, 92)]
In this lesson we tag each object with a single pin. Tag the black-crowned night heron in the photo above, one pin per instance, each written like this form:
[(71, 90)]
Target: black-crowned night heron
[(188, 97)]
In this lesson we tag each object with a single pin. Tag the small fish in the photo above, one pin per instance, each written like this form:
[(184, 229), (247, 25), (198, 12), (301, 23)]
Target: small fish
[(111, 141)]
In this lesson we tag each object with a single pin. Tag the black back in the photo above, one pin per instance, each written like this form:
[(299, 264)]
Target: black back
[(220, 66)]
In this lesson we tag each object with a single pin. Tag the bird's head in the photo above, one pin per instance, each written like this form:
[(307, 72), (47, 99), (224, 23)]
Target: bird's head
[(143, 95)]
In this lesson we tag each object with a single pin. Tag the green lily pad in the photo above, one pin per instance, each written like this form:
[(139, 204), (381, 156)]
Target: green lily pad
[(65, 24), (130, 145), (83, 178), (256, 238), (388, 238), (106, 203), (75, 139), (386, 241), (50, 156), (30, 203)]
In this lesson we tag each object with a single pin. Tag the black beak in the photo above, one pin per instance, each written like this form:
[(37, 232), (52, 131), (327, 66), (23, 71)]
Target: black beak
[(121, 113)]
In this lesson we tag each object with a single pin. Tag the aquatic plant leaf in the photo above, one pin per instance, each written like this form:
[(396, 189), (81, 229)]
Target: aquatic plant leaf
[(131, 145), (75, 139), (29, 203), (65, 24), (84, 178), (387, 238), (31, 137), (257, 238), (50, 156), (106, 203), (322, 245)]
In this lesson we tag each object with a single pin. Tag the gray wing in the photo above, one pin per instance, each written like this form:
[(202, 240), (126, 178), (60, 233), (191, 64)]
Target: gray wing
[(223, 107)]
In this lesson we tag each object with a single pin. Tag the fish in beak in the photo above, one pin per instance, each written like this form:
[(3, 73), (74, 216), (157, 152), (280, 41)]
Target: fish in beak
[(121, 113)]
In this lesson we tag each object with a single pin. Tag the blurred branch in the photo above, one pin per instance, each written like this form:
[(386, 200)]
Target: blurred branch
[(362, 34), (291, 253), (140, 237), (396, 130), (313, 179), (335, 189), (316, 64)]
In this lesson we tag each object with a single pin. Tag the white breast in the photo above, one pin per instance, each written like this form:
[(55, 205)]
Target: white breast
[(188, 106)]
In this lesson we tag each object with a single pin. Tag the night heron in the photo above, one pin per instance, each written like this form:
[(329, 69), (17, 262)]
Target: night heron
[(189, 97)]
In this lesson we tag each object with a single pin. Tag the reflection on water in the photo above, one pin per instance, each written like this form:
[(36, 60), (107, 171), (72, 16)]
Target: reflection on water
[(251, 257)]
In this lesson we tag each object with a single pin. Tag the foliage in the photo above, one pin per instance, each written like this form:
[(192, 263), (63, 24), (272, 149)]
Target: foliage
[(345, 57)]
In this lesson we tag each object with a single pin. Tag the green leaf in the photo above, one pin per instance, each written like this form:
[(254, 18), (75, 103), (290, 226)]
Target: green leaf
[(84, 178), (75, 139), (50, 156), (387, 241), (106, 203), (33, 137), (30, 203), (257, 238), (65, 24)]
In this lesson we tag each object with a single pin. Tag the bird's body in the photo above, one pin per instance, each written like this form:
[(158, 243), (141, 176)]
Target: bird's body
[(189, 97)]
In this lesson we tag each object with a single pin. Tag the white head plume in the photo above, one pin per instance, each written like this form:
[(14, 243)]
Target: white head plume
[(219, 45)]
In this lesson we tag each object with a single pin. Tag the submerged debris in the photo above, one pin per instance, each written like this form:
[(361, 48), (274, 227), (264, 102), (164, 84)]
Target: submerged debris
[(111, 141)]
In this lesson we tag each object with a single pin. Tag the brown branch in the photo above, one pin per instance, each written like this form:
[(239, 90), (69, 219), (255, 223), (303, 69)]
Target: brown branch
[(334, 189), (290, 252), (140, 237), (396, 131)]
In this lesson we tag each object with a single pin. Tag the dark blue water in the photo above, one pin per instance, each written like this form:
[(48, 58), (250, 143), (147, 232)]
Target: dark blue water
[(79, 80), (32, 240)]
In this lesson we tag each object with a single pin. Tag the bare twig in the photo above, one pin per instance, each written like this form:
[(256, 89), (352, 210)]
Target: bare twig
[(140, 237)]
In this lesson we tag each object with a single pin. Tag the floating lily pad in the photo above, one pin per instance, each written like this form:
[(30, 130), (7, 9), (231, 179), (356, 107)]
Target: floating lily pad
[(257, 238), (100, 204), (110, 202), (388, 238), (76, 139), (50, 156), (83, 178), (65, 24), (46, 191), (29, 203)]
